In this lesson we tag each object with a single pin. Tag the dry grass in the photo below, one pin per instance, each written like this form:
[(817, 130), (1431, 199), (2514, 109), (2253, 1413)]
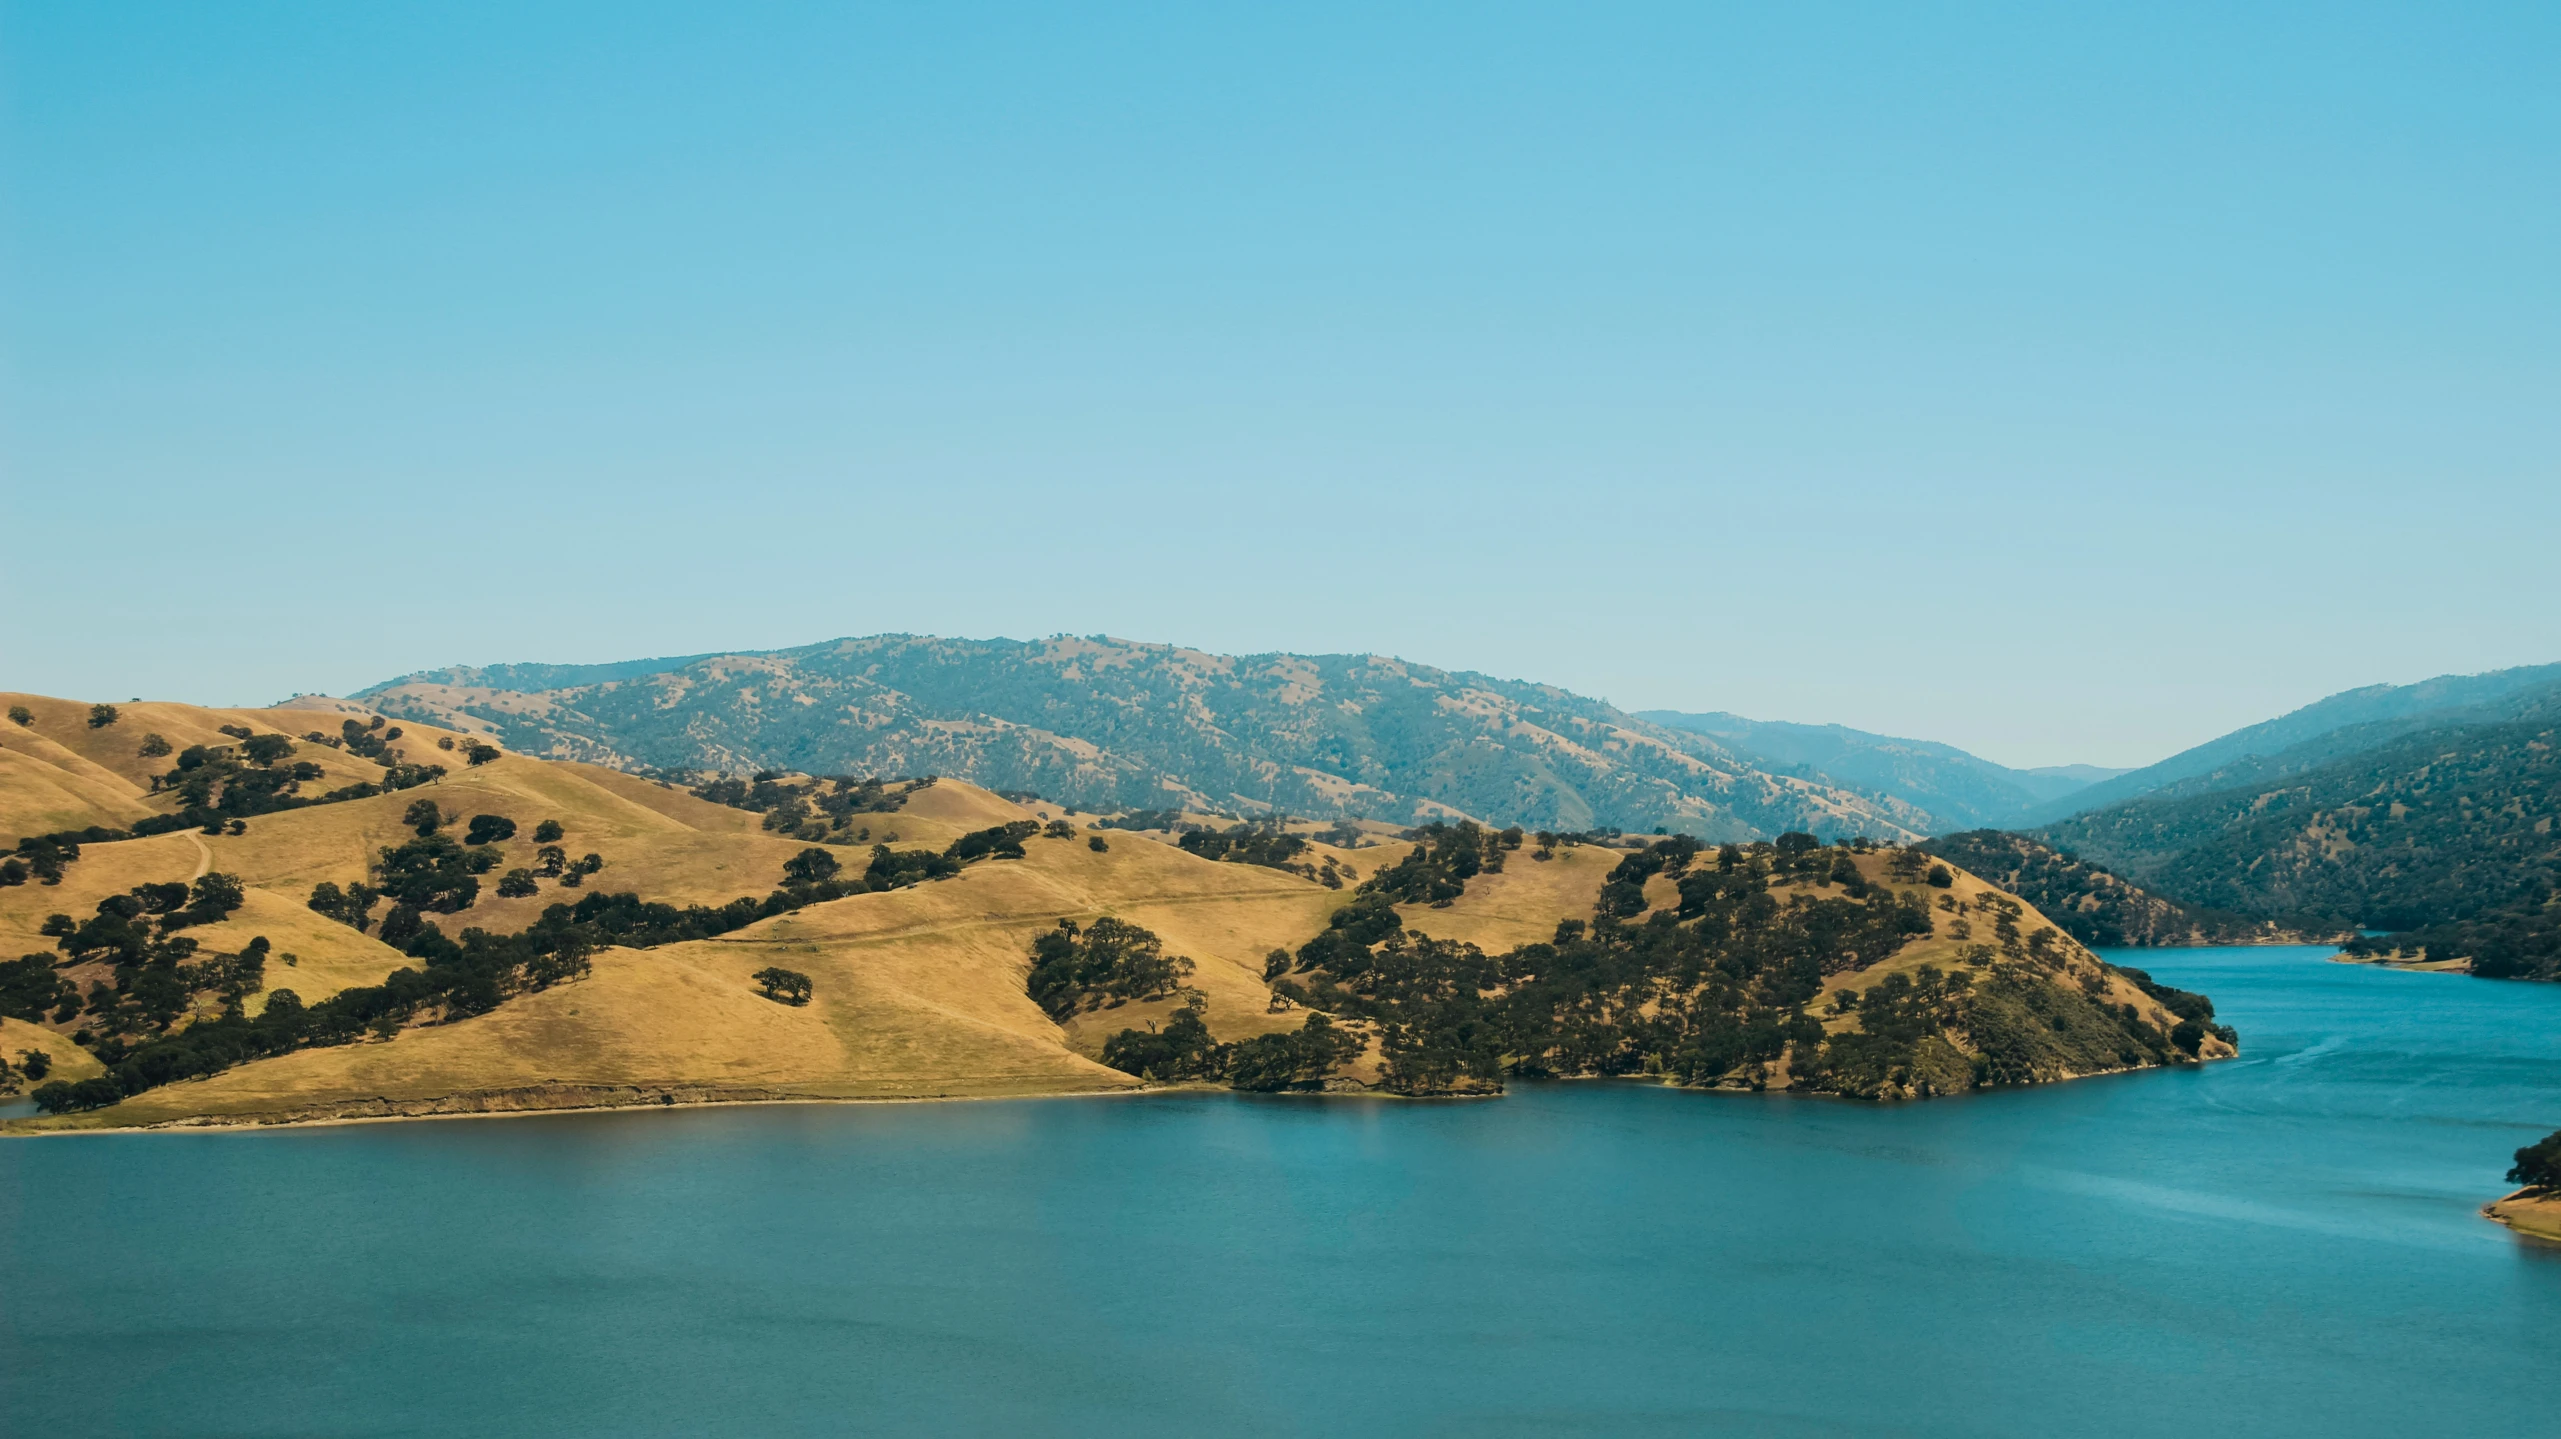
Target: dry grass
[(71, 1063), (918, 992), (1522, 904)]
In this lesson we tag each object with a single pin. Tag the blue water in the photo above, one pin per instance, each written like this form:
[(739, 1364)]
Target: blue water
[(2281, 1245)]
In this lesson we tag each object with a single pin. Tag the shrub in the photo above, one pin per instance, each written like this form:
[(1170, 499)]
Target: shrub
[(154, 745), (787, 986)]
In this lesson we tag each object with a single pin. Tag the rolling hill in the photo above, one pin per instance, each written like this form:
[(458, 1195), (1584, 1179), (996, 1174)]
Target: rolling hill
[(1952, 789), (2102, 909), (1106, 724), (2344, 725), (2445, 837), (216, 951)]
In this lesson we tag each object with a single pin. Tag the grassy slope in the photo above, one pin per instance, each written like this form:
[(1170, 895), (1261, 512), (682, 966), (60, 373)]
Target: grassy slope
[(918, 992), (1941, 948)]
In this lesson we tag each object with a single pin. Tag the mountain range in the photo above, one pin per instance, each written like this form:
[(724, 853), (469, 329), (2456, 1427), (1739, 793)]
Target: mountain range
[(1103, 723)]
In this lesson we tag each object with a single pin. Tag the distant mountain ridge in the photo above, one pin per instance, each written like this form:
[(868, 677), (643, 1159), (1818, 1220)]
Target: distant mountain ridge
[(2348, 723), (2450, 837), (1957, 790), (1108, 723)]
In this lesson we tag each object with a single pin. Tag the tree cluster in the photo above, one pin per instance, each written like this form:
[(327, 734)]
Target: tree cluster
[(1444, 858), (819, 808), (1268, 1063), (1100, 965), (1265, 844)]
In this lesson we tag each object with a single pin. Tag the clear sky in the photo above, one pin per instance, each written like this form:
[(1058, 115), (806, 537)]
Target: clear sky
[(2067, 385)]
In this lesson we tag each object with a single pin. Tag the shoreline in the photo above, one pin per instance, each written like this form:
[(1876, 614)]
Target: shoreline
[(665, 1102), (2528, 1213), (2405, 966)]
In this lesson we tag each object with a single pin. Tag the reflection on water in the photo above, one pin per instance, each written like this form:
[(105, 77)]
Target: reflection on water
[(2285, 1244)]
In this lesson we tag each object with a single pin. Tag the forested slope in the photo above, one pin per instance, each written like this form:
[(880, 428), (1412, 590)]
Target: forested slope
[(2100, 908), (2448, 833), (1109, 724)]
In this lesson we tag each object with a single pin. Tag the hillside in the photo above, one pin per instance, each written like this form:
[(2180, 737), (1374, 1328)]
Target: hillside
[(2444, 837), (311, 949), (1953, 790), (2340, 727), (1107, 724), (2099, 908)]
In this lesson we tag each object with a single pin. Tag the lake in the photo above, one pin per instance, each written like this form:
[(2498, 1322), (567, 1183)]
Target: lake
[(2284, 1244)]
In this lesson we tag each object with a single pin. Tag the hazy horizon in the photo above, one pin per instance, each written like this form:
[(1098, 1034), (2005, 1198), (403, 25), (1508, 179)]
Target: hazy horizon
[(2065, 387)]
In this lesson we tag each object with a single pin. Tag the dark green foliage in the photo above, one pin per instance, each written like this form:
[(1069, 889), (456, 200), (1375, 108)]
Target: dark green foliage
[(30, 990), (2192, 1009), (816, 808), (898, 868), (490, 829), (1268, 1063), (265, 749), (2538, 1165), (44, 855), (101, 716), (1444, 858), (21, 716), (1265, 844), (154, 746), (478, 753), (2084, 899), (352, 907), (547, 832), (789, 986), (1623, 892), (1058, 829), (1144, 819), (1181, 1050), (1004, 841), (1245, 844), (1097, 843), (424, 815), (221, 786), (517, 884), (1940, 877), (1106, 963), (1715, 990), (810, 866), (2432, 830), (458, 979), (430, 874)]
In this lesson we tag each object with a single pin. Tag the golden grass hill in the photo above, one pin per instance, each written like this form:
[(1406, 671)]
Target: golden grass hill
[(332, 910)]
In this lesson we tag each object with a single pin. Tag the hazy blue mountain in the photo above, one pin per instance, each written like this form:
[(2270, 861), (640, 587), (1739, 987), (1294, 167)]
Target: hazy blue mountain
[(1958, 791), (1104, 723), (2346, 724)]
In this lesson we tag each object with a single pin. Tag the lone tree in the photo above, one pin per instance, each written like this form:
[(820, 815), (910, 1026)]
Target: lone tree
[(811, 866), (423, 814), (154, 745), (21, 716), (2539, 1164), (479, 753), (787, 986), (547, 832), (101, 716)]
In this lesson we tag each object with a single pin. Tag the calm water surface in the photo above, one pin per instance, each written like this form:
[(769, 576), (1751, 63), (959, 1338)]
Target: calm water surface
[(2281, 1245)]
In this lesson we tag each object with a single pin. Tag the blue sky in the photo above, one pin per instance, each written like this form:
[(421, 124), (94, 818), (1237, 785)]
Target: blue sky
[(2067, 385)]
